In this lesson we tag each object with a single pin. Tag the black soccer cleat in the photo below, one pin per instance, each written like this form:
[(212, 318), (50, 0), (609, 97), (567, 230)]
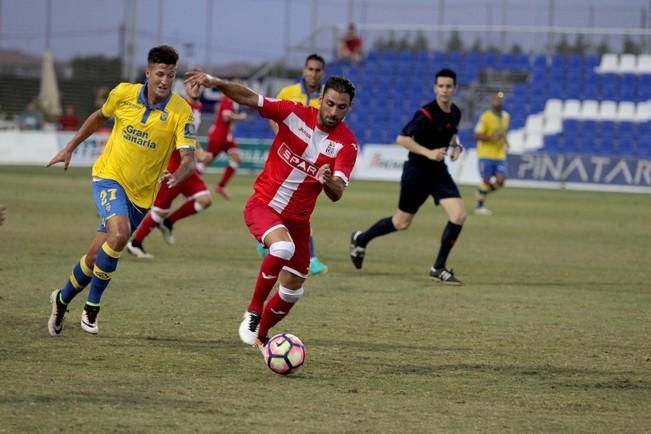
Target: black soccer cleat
[(444, 276), (356, 252)]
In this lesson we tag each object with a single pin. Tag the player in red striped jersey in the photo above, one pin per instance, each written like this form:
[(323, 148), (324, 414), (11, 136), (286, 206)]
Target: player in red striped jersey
[(313, 150), (193, 188), (221, 139)]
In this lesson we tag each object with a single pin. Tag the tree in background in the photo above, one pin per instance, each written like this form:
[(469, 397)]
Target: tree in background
[(455, 43), (420, 42), (630, 46)]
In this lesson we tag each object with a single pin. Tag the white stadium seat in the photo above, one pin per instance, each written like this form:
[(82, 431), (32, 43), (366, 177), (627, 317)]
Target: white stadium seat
[(626, 111), (553, 108), (533, 141), (516, 141), (627, 63), (609, 63), (534, 124), (644, 64), (590, 110), (643, 112), (608, 111), (572, 109), (553, 126)]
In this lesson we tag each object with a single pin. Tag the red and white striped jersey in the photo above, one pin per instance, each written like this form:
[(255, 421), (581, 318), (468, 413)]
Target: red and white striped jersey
[(288, 181)]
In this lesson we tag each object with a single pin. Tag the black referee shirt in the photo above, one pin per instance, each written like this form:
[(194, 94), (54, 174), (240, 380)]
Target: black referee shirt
[(432, 128)]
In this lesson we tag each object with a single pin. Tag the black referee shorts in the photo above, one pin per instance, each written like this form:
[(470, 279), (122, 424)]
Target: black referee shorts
[(420, 182)]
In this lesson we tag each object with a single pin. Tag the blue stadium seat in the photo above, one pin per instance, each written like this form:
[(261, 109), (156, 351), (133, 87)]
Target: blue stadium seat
[(573, 90), (520, 62), (489, 60), (572, 126)]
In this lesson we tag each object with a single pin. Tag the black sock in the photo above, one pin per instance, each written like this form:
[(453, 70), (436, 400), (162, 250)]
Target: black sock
[(449, 237), (382, 227)]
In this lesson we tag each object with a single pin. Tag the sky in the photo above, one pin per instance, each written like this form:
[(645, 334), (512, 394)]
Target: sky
[(217, 32)]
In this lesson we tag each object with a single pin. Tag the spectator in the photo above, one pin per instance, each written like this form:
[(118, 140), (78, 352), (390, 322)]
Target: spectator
[(30, 119), (68, 121), (349, 47)]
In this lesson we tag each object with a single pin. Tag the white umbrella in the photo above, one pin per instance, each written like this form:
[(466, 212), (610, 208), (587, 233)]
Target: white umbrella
[(48, 96)]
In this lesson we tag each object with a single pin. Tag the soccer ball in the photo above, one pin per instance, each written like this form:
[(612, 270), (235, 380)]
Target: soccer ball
[(284, 354)]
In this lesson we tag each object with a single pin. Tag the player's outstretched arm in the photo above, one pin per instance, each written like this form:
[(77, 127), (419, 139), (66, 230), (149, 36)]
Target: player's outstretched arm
[(235, 91), (92, 124), (185, 169)]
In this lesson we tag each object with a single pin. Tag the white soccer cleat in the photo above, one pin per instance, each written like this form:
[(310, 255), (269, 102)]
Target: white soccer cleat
[(55, 322), (89, 319), (483, 211), (138, 251), (249, 328)]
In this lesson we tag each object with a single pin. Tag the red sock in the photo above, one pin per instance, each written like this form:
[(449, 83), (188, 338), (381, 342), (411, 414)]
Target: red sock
[(275, 310), (187, 209), (146, 226), (270, 267), (228, 173)]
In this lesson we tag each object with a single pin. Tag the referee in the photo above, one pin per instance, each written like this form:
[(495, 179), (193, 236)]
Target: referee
[(427, 137)]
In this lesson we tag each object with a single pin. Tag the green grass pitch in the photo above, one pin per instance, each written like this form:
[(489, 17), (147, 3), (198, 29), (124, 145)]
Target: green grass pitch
[(549, 333)]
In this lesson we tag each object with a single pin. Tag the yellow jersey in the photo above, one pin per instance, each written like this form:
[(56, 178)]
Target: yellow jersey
[(298, 93), (490, 123), (142, 140)]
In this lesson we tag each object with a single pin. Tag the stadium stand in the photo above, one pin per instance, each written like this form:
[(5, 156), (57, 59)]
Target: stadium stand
[(570, 104)]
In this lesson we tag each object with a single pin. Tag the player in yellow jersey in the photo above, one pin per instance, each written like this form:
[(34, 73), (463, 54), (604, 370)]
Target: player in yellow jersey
[(492, 144), (150, 123), (307, 92)]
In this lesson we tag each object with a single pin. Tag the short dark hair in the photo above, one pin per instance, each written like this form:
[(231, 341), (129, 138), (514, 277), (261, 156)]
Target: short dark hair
[(316, 57), (165, 54), (446, 72), (341, 85)]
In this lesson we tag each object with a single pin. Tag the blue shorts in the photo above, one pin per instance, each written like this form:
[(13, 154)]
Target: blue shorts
[(111, 200), (489, 168)]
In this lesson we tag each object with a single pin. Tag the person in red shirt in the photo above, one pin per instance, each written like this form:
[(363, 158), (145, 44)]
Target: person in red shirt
[(313, 151), (220, 139), (349, 47), (193, 188), (68, 121)]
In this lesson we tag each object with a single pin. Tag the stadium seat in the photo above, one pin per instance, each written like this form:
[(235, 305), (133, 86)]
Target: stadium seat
[(590, 110), (516, 141), (644, 64), (592, 89), (643, 112), (626, 111), (573, 90), (554, 109), (628, 91), (571, 127), (534, 124), (609, 63), (627, 64), (552, 143), (553, 125), (572, 109), (608, 111), (533, 141), (589, 127)]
